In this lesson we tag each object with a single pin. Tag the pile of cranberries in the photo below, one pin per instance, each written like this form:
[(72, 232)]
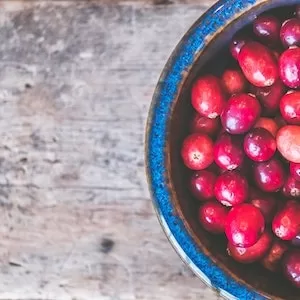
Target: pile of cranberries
[(244, 147)]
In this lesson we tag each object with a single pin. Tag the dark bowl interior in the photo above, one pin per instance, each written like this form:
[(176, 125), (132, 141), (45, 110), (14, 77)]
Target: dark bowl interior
[(213, 60)]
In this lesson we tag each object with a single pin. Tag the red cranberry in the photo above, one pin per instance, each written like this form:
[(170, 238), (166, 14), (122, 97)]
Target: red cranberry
[(240, 113), (228, 152), (267, 205), (286, 223), (259, 144), (273, 258), (291, 266), (290, 107), (200, 124), (295, 171), (296, 241), (290, 33), (289, 67), (253, 253), (244, 225), (288, 142), (237, 43), (231, 188), (270, 96), (268, 124), (258, 64), (208, 97), (212, 216), (269, 176), (197, 151), (234, 82), (291, 187), (267, 28), (202, 185)]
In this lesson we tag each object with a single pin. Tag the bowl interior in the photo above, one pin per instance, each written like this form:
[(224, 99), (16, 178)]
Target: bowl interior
[(213, 60)]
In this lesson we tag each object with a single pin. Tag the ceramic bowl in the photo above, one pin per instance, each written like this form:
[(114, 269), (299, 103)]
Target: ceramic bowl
[(167, 126)]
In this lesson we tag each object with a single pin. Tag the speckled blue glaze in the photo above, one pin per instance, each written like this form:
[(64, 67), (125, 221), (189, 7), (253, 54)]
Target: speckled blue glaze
[(217, 17)]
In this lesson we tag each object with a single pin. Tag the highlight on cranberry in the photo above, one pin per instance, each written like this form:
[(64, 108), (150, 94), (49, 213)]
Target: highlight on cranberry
[(243, 146)]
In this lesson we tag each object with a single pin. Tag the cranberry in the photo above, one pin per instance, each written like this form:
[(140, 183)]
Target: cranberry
[(197, 151), (259, 144), (289, 67), (290, 33), (200, 124), (228, 152), (234, 82), (291, 187), (288, 142), (269, 176), (268, 124), (244, 225), (273, 258), (208, 97), (212, 216), (240, 113), (267, 28), (290, 107), (295, 171), (253, 253), (258, 64), (270, 96), (291, 266), (202, 185), (286, 223), (231, 188), (296, 241), (237, 43), (240, 120), (267, 205)]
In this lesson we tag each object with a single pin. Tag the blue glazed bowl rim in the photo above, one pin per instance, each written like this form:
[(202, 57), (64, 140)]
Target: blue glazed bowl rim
[(167, 90)]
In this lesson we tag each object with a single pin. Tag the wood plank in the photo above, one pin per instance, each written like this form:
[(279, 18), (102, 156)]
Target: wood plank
[(76, 82), (161, 2), (16, 4)]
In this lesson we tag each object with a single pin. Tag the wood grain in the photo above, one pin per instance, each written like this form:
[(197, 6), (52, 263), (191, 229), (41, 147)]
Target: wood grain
[(161, 2), (16, 4), (76, 82)]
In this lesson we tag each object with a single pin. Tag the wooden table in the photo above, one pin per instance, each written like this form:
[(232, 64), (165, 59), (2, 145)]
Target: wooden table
[(76, 81)]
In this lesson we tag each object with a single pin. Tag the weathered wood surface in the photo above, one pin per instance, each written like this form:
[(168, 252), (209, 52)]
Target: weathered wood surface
[(17, 4), (76, 80)]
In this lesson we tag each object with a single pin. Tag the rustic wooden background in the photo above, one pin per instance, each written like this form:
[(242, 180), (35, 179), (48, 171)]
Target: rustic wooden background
[(76, 80)]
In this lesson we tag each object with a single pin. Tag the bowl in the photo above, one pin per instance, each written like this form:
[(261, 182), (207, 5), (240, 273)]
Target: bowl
[(205, 44)]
